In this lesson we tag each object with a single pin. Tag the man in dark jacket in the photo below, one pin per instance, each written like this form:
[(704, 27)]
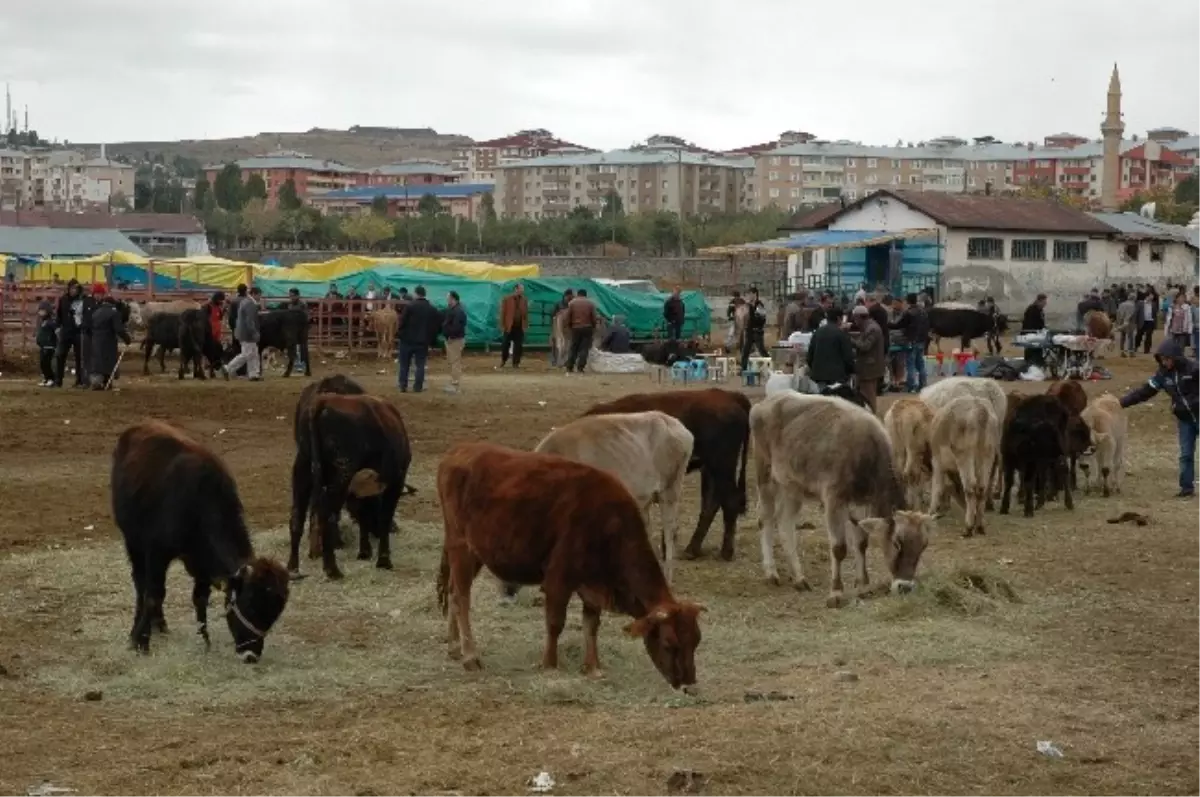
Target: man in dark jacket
[(107, 327), (413, 335), (870, 348), (913, 324), (1145, 310), (830, 355), (756, 325), (616, 339), (454, 329), (793, 317), (1180, 378), (581, 321), (231, 308), (47, 341), (71, 313), (1034, 319), (674, 314), (1090, 302)]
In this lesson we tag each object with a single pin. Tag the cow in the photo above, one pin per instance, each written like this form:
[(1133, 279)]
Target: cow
[(285, 330), (385, 321), (1071, 394), (1097, 324), (140, 314), (1109, 427), (533, 518), (358, 447), (196, 343), (963, 321), (173, 499), (907, 423), (162, 330), (1034, 444), (719, 421), (821, 447), (942, 392), (668, 352), (648, 451), (964, 439)]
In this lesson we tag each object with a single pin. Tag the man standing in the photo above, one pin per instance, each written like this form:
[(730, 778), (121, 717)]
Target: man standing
[(231, 308), (1126, 321), (674, 314), (870, 354), (69, 314), (106, 329), (245, 332), (514, 320), (1146, 310), (415, 330), (756, 325), (1180, 377), (557, 357), (581, 320), (294, 303), (454, 329), (213, 309), (830, 354), (914, 324)]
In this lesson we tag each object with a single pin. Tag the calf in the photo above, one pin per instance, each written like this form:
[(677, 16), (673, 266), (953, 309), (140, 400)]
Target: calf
[(1109, 428), (669, 352), (1034, 444), (385, 321), (358, 447), (1071, 395), (964, 439), (824, 448), (533, 518), (907, 423), (944, 391), (173, 499), (719, 421)]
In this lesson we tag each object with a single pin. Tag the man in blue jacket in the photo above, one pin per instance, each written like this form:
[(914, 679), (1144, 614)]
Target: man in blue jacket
[(1180, 378)]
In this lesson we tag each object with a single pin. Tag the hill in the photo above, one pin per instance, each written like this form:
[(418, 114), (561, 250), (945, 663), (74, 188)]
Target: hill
[(359, 146)]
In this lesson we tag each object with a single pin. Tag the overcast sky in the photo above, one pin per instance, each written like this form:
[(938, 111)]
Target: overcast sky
[(723, 73)]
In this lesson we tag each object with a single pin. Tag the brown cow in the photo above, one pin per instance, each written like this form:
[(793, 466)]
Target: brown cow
[(1071, 394), (385, 321), (1098, 324), (534, 518), (907, 422), (1110, 430), (964, 439)]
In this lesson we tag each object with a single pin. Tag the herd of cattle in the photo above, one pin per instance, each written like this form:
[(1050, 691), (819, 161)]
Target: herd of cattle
[(571, 515)]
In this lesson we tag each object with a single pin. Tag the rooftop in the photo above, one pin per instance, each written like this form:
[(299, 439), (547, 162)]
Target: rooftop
[(968, 152), (1185, 143), (812, 218), (635, 157), (50, 242), (446, 191), (415, 167), (1134, 225), (107, 163), (289, 161), (165, 223)]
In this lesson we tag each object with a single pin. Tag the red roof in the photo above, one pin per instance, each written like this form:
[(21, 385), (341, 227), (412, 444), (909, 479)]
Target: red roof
[(813, 218), (166, 223), (1168, 156)]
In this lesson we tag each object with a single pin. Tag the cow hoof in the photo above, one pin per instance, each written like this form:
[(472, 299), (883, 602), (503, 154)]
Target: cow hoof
[(472, 664), (595, 673), (727, 554), (968, 533), (384, 564), (835, 600), (802, 585), (334, 575), (989, 507), (1028, 513), (691, 553), (774, 581), (363, 556)]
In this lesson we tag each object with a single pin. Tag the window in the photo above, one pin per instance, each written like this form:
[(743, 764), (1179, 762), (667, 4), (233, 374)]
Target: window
[(872, 178), (1156, 253), (852, 178), (917, 164), (850, 161), (1070, 251), (664, 199), (1028, 249), (664, 185), (775, 160), (914, 179), (895, 163), (1043, 164), (648, 184), (991, 167), (971, 182), (986, 248), (774, 192), (895, 179), (794, 161), (851, 195), (872, 163), (795, 193), (772, 175), (1132, 252), (795, 177)]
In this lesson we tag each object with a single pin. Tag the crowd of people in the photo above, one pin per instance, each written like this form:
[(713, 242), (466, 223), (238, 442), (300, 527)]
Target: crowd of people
[(83, 323)]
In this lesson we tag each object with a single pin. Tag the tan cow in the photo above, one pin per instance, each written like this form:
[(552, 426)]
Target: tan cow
[(1109, 425), (385, 321), (964, 440), (907, 422), (647, 451), (140, 313), (944, 391), (829, 449)]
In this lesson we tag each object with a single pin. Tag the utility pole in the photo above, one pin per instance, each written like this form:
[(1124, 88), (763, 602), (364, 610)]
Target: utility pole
[(679, 154)]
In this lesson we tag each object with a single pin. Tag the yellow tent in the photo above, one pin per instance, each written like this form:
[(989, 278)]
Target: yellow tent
[(88, 269), (348, 264)]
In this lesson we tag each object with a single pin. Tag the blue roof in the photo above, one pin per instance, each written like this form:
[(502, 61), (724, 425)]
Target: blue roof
[(446, 190)]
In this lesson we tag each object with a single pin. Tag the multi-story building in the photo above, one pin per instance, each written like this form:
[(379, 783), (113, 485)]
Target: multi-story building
[(478, 163), (461, 200), (311, 176), (649, 179), (1188, 147), (61, 180), (414, 172)]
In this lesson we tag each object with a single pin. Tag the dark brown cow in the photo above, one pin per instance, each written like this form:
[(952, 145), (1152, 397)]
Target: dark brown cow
[(1079, 440), (358, 447), (173, 499), (1071, 394), (719, 420), (574, 529), (1034, 444)]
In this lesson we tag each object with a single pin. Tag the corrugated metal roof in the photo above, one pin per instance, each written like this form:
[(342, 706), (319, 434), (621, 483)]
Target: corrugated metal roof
[(57, 242), (447, 190), (813, 218), (167, 223), (983, 212), (635, 157), (1133, 225)]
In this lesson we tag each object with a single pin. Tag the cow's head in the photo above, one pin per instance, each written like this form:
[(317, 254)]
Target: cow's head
[(136, 319), (905, 535), (671, 633), (255, 597), (1079, 437)]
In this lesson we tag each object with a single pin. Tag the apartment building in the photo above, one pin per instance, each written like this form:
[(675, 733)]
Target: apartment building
[(479, 162), (311, 176), (460, 200), (61, 180), (675, 180), (414, 172)]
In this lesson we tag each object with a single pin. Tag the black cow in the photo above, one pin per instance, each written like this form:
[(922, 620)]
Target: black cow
[(669, 352), (1034, 443), (163, 331), (283, 330), (358, 447), (846, 393), (196, 342), (955, 320), (174, 499)]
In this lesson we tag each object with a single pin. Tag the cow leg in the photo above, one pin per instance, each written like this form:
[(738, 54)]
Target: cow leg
[(304, 356), (994, 486), (148, 349), (301, 496), (1105, 480), (556, 620), (291, 359), (200, 592), (1030, 476), (591, 630), (768, 511), (1065, 477), (1010, 473), (936, 484), (364, 515), (384, 507), (787, 517), (138, 573), (730, 499), (463, 569), (162, 359), (708, 511), (836, 522), (861, 540), (183, 360)]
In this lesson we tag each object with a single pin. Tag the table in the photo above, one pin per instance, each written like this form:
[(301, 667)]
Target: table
[(719, 366)]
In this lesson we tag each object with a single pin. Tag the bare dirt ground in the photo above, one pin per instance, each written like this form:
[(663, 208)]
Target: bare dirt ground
[(1094, 649)]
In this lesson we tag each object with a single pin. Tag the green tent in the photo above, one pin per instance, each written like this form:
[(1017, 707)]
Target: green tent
[(481, 300)]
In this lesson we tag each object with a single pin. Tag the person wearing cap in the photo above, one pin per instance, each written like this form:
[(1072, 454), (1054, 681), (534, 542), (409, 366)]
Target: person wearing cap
[(105, 329), (870, 350), (1179, 377)]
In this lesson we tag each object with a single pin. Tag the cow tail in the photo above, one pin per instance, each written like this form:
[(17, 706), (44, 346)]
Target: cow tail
[(741, 483), (443, 583)]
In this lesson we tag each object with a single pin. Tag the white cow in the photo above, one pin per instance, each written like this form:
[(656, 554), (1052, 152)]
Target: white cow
[(829, 449), (946, 390), (1109, 425), (647, 451), (964, 440), (141, 313)]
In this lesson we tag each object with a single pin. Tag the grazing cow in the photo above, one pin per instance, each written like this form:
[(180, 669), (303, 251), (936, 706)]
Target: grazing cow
[(358, 447), (962, 321), (648, 451), (173, 499), (1110, 430), (534, 518), (719, 421), (944, 391), (1034, 444), (907, 423), (819, 447), (385, 321), (964, 439)]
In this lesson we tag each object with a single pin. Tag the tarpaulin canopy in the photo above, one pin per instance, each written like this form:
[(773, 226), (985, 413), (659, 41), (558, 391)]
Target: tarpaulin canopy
[(819, 239), (346, 264)]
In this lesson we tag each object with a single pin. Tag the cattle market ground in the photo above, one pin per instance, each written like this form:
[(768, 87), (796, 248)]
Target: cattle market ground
[(1062, 628)]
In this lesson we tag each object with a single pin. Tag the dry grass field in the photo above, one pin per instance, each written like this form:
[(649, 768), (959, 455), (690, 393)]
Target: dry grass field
[(1060, 628)]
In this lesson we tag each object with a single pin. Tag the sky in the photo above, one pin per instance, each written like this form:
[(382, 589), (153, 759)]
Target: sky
[(603, 73)]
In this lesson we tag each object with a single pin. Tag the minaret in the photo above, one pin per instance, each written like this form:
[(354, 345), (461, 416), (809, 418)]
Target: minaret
[(1111, 129), (8, 125)]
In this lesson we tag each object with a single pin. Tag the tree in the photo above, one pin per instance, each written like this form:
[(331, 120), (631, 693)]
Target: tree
[(202, 195), (143, 195), (295, 223), (612, 205), (227, 188), (287, 198), (259, 220), (118, 201), (367, 229), (379, 205), (429, 205), (255, 188), (487, 208), (1187, 190)]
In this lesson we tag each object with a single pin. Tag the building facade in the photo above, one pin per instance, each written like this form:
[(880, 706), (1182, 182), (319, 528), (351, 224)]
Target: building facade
[(43, 179), (460, 200), (479, 162), (311, 176), (414, 172)]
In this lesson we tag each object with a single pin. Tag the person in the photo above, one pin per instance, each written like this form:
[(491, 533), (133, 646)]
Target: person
[(294, 303), (557, 357), (581, 320), (245, 332), (860, 295), (994, 343), (106, 329), (817, 315), (1179, 321), (830, 354), (731, 309), (877, 309), (514, 320), (454, 330), (870, 349), (756, 325), (332, 293), (1180, 378), (231, 308), (371, 295), (1110, 298), (674, 313), (1147, 314), (47, 341), (897, 347), (616, 339), (1126, 321), (1090, 302), (413, 335), (1195, 320), (69, 316), (914, 325), (793, 317), (1034, 319)]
